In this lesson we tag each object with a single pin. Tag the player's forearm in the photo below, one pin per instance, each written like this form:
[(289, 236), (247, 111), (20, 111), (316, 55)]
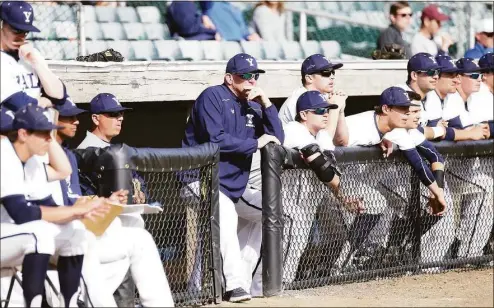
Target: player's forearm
[(59, 165), (52, 85), (332, 122), (432, 133), (341, 135), (59, 215), (435, 189)]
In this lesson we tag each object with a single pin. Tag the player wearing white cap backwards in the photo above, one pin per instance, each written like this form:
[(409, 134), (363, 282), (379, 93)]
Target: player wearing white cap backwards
[(25, 75)]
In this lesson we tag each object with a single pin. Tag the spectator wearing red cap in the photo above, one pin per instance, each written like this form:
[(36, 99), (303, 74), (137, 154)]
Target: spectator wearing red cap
[(424, 40)]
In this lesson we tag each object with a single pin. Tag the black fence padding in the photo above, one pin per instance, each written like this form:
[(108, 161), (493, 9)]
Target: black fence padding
[(324, 243), (185, 183)]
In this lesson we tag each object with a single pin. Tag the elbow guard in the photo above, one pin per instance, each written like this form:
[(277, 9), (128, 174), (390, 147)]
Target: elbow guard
[(430, 152), (423, 172), (20, 210), (323, 166), (450, 134), (439, 175), (56, 101)]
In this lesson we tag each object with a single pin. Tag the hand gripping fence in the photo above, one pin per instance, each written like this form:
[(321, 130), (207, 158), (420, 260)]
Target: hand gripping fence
[(310, 239), (184, 182)]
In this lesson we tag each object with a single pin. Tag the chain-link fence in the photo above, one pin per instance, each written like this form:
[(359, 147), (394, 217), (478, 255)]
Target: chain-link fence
[(183, 182), (325, 242)]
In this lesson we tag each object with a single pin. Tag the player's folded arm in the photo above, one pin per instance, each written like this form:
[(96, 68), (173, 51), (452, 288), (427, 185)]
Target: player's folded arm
[(323, 166), (54, 100)]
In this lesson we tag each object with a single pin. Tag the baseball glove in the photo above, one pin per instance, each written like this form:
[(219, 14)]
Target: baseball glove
[(389, 52), (108, 55)]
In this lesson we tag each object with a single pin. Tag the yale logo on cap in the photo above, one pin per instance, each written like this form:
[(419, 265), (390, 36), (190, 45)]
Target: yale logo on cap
[(433, 60), (406, 95), (47, 115), (10, 113), (116, 101), (27, 14), (250, 60), (322, 96), (70, 101), (452, 62)]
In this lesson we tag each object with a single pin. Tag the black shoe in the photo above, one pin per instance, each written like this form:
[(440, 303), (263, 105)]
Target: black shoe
[(108, 55), (237, 295)]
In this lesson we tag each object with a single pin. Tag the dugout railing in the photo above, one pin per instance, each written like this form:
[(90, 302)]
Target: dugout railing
[(184, 182), (310, 239)]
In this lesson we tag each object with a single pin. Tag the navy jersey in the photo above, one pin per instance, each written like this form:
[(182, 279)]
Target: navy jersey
[(218, 116)]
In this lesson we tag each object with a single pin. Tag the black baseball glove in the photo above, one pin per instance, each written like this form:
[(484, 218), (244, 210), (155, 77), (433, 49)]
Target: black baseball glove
[(108, 55), (389, 52)]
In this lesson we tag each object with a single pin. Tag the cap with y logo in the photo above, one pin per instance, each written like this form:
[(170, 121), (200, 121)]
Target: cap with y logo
[(396, 96), (422, 61), (467, 65), (6, 119), (68, 108), (318, 63), (242, 63), (447, 64), (486, 62), (34, 118), (106, 102), (19, 15), (312, 100)]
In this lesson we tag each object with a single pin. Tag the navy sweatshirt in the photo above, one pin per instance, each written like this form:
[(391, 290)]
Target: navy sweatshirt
[(218, 116)]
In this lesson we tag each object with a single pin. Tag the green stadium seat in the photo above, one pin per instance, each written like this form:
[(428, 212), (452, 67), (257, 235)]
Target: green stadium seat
[(89, 13), (93, 31), (213, 49), (295, 4), (44, 14), (253, 48), (292, 50), (143, 50), (311, 48), (331, 6), (106, 14), (157, 31), (347, 7), (272, 50), (191, 50), (230, 49), (127, 14), (47, 31), (112, 31), (366, 5), (149, 14), (123, 47), (167, 50), (66, 30), (331, 49), (95, 46), (323, 22), (51, 50), (70, 49), (134, 31), (313, 5)]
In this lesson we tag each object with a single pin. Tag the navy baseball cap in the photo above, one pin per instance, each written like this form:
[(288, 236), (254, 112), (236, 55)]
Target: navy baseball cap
[(106, 102), (313, 100), (19, 15), (486, 62), (447, 64), (6, 119), (422, 61), (396, 96), (318, 63), (34, 118), (467, 65), (68, 108), (242, 63)]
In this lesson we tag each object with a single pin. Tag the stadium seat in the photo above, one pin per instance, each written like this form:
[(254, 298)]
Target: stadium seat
[(295, 4), (112, 31), (331, 6), (331, 49), (311, 48), (366, 5), (378, 18), (157, 31), (230, 49), (66, 30), (347, 7), (191, 50), (95, 46), (89, 13), (64, 13), (313, 5), (47, 32), (44, 14), (51, 50), (292, 50), (123, 47), (149, 14), (127, 14), (212, 50), (253, 48), (92, 31), (272, 50), (143, 50), (134, 31), (106, 14), (167, 50), (70, 49), (323, 22)]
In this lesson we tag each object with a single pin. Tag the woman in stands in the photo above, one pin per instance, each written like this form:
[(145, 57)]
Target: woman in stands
[(269, 20)]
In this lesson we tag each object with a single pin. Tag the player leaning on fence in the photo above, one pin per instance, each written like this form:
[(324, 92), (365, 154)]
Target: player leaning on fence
[(239, 117)]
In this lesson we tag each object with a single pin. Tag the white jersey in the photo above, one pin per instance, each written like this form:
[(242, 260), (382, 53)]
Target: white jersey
[(92, 140), (17, 76), (452, 109), (288, 110), (481, 105), (298, 136), (362, 129)]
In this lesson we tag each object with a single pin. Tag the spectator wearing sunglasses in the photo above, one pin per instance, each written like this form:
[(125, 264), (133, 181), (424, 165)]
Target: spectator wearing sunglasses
[(301, 134), (484, 39), (240, 119), (426, 40), (400, 15), (318, 74), (24, 72)]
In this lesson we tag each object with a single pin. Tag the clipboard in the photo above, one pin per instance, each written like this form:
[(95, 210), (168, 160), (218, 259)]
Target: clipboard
[(100, 224)]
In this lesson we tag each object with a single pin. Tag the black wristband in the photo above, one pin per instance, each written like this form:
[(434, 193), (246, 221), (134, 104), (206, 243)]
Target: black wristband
[(439, 176)]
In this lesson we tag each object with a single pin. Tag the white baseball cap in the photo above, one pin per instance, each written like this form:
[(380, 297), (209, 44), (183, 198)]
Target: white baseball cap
[(484, 25)]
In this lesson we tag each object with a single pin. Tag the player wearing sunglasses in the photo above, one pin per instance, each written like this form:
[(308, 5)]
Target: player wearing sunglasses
[(400, 16), (24, 72)]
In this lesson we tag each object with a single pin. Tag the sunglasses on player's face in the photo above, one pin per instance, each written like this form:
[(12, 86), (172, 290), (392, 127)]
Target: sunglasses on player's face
[(405, 15), (473, 75), (249, 76), (116, 114), (17, 31), (327, 73), (319, 111), (430, 73)]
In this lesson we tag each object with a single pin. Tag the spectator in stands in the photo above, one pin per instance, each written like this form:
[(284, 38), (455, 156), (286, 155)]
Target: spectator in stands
[(269, 20), (425, 39), (318, 74), (229, 21), (183, 20), (400, 15), (484, 38)]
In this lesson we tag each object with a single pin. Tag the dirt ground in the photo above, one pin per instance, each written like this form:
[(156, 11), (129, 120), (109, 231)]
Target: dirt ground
[(450, 289)]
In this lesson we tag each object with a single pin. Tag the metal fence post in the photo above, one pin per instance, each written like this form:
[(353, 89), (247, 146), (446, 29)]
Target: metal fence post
[(303, 27), (82, 34)]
